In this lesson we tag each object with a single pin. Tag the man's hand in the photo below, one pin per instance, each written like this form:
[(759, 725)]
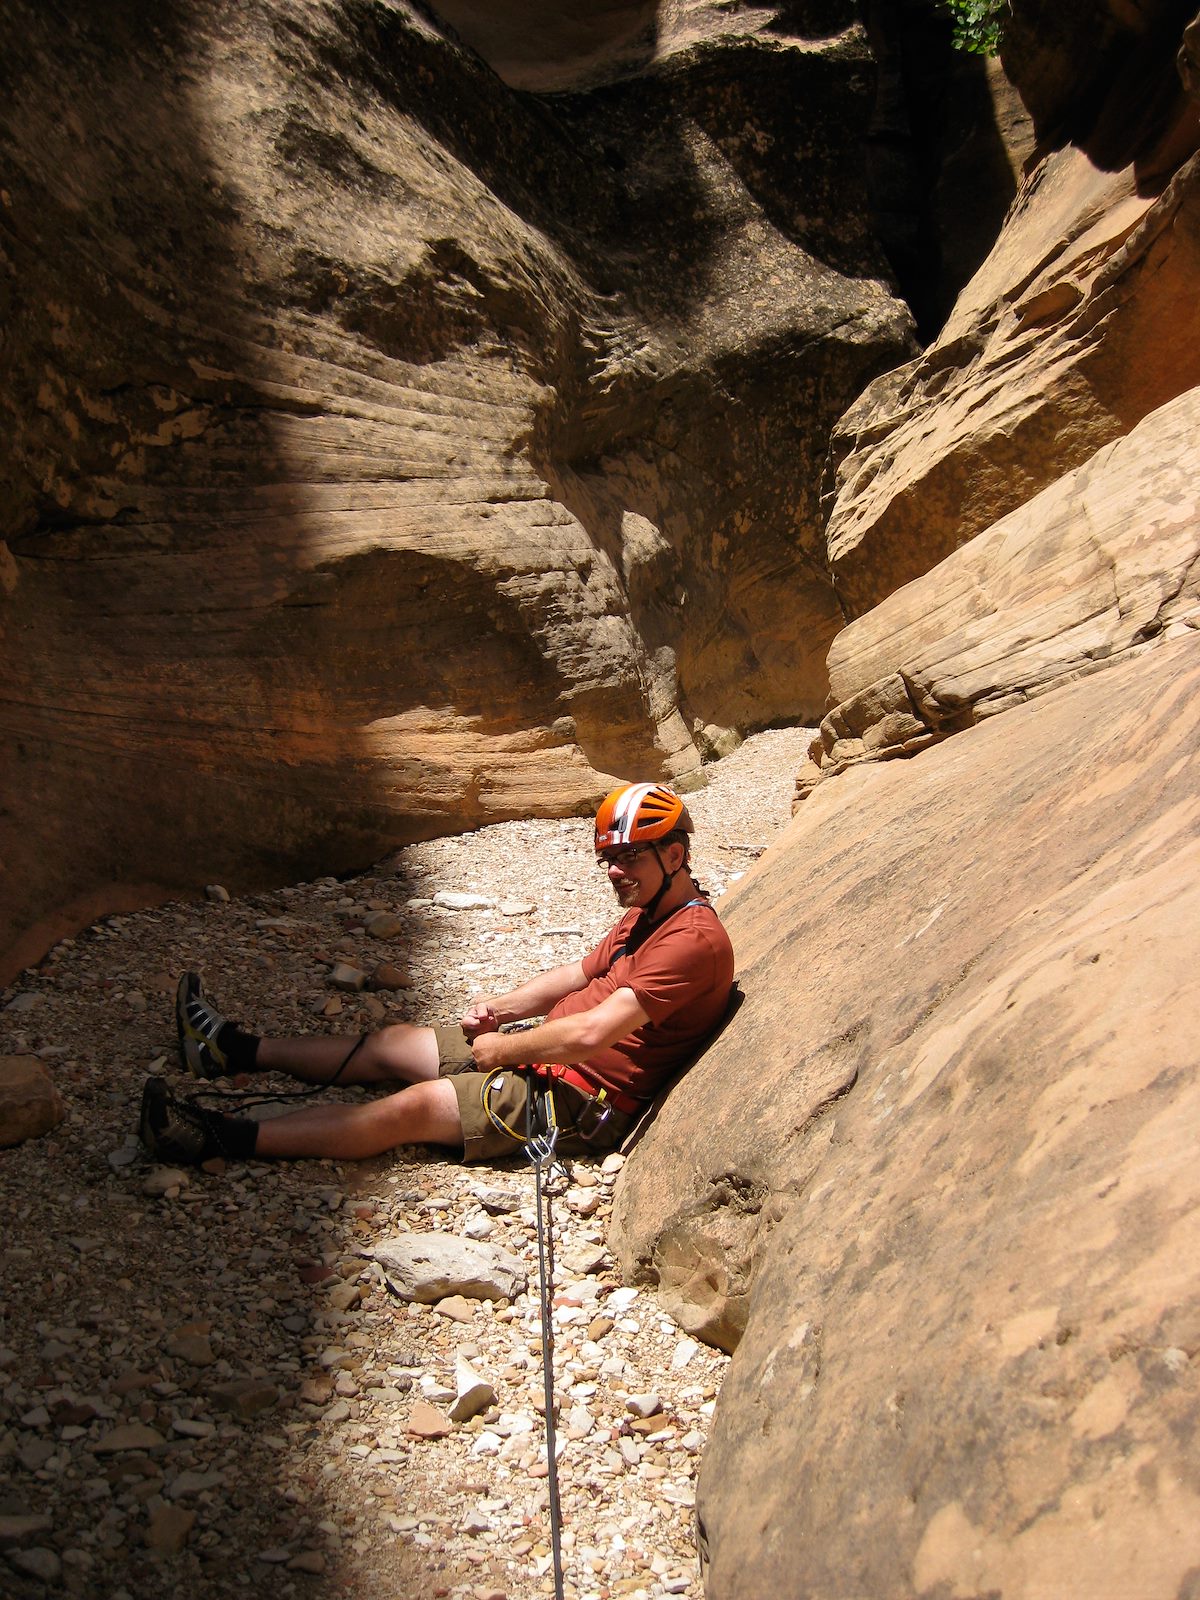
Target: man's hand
[(562, 1039), (489, 1051), (479, 1018)]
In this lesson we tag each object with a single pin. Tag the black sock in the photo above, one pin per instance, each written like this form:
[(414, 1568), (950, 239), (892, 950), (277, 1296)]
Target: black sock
[(240, 1049), (232, 1137)]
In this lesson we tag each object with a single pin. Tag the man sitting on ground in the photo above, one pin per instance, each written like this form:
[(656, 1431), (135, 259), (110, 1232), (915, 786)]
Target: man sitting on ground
[(617, 1024)]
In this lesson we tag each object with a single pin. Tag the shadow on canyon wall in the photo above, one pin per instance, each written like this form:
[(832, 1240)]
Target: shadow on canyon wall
[(285, 289)]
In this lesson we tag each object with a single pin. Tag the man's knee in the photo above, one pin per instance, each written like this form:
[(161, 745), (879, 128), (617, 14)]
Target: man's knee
[(406, 1050), (423, 1113)]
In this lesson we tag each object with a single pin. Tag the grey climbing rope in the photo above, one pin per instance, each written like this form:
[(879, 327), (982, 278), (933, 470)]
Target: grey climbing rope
[(542, 1125)]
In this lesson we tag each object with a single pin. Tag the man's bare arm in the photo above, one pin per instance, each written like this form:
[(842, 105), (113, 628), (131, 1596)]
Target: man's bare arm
[(564, 1039), (532, 999)]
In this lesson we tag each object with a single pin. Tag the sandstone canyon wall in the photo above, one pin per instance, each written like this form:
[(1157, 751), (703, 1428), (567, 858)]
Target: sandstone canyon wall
[(935, 1185), (405, 430), (388, 449)]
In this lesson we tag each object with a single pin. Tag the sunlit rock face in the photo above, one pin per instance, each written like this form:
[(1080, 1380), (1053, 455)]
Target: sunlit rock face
[(1079, 323), (388, 449), (1103, 563), (936, 1184)]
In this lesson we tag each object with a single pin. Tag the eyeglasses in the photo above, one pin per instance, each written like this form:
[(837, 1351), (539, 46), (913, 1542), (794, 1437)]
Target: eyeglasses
[(621, 858)]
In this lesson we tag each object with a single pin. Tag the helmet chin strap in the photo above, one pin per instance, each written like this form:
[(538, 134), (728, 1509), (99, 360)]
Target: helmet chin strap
[(668, 878)]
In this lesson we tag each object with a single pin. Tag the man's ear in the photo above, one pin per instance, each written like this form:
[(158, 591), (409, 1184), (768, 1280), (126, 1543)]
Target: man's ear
[(678, 859)]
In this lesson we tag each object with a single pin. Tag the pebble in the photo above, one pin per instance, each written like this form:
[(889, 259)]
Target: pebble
[(643, 1405), (387, 976), (427, 1422), (473, 1394), (38, 1562), (169, 1529), (296, 1440), (164, 1180), (129, 1436)]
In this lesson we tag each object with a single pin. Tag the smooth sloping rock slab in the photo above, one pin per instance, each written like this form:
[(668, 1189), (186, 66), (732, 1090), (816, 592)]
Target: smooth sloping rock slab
[(30, 1105), (1099, 563), (944, 1159), (428, 1267)]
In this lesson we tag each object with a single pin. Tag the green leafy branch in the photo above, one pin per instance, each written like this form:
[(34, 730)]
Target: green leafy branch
[(978, 24)]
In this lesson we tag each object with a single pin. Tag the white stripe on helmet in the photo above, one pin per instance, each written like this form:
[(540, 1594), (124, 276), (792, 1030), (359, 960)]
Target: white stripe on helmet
[(626, 810)]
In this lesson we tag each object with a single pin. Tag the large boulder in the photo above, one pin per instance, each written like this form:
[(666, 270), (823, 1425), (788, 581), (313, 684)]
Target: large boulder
[(386, 451), (30, 1105), (936, 1183), (1080, 322), (1097, 565)]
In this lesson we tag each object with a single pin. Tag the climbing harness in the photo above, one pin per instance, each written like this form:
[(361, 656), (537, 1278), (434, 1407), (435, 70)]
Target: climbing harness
[(540, 1142), (589, 1120)]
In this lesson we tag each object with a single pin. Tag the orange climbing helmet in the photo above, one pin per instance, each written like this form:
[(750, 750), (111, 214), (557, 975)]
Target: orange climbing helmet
[(640, 813)]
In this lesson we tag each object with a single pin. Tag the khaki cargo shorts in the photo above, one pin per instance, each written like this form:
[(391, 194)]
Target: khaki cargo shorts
[(493, 1107)]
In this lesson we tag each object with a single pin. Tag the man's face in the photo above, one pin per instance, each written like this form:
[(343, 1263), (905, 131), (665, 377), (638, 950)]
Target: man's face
[(634, 872)]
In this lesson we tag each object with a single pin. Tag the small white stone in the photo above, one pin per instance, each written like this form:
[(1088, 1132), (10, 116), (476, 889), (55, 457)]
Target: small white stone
[(162, 1180), (644, 1405), (452, 900), (473, 1393)]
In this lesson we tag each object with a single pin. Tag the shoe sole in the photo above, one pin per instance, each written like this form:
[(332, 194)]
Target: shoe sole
[(153, 1094), (188, 988), (190, 1047)]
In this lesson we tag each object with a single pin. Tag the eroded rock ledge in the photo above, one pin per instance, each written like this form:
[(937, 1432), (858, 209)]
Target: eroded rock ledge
[(1103, 563)]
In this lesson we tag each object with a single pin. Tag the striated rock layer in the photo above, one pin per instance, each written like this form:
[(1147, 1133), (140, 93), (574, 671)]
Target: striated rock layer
[(387, 451), (1099, 564), (936, 1183)]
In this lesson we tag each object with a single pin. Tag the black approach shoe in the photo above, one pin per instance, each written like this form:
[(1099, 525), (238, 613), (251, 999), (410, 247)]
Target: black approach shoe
[(172, 1130), (198, 1026)]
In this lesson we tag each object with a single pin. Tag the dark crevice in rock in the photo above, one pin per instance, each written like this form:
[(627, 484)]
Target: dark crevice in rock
[(940, 175)]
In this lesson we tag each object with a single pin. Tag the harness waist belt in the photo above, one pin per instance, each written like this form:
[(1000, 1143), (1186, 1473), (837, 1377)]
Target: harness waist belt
[(623, 1103)]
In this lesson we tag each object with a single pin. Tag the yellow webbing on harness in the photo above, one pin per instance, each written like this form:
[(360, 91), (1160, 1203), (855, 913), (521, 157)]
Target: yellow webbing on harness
[(498, 1121)]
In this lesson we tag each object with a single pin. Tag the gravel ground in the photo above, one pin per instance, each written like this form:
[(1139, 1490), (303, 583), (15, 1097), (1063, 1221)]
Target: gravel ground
[(207, 1385)]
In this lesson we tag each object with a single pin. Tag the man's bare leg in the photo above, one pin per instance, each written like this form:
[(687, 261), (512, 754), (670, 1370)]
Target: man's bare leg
[(424, 1113), (401, 1053)]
